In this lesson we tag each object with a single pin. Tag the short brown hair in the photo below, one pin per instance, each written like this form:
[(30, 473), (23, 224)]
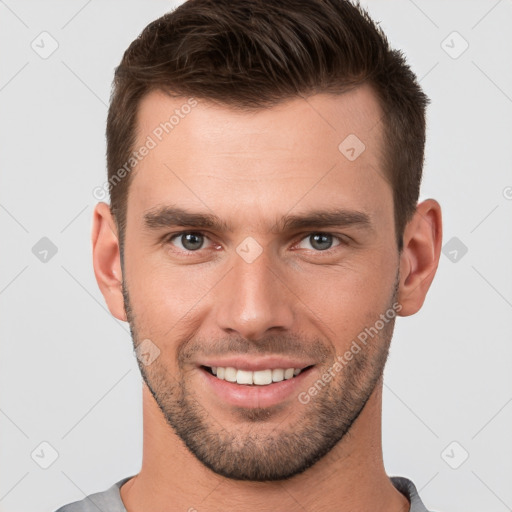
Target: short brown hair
[(252, 54)]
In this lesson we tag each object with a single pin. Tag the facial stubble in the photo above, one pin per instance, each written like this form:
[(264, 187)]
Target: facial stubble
[(257, 452)]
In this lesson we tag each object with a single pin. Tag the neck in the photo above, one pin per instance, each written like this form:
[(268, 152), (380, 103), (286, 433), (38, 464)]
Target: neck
[(350, 477)]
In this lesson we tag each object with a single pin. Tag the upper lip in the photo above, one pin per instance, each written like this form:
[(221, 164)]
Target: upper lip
[(254, 364)]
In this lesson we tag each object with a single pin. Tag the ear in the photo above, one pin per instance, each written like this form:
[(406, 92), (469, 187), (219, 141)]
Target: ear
[(420, 256), (107, 260)]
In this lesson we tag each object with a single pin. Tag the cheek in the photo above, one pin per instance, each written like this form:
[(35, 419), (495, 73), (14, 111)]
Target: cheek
[(163, 296), (345, 300)]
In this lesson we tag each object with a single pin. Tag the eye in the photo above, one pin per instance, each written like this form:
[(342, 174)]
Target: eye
[(321, 241), (188, 241)]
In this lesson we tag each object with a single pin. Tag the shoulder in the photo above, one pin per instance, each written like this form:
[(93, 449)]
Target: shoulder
[(408, 489), (106, 501)]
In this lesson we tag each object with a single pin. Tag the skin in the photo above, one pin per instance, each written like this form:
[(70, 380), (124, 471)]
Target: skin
[(250, 170)]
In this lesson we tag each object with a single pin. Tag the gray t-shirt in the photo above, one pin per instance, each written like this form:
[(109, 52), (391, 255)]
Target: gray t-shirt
[(110, 500)]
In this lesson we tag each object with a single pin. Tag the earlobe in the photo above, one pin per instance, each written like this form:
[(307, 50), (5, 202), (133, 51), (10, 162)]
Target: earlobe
[(420, 256), (107, 260)]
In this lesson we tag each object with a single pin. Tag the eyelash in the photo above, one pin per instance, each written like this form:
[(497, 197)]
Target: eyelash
[(341, 239)]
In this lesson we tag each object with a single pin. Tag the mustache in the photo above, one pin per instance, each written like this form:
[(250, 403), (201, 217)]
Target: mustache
[(283, 345)]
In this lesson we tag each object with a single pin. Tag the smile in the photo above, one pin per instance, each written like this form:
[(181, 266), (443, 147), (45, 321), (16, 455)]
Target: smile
[(254, 378), (257, 387)]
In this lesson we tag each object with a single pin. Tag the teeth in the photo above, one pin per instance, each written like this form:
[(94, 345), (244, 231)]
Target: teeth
[(230, 374), (262, 377), (258, 378), (277, 375), (243, 377)]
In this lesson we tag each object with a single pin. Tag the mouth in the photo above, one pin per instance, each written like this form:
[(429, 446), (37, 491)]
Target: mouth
[(264, 377), (255, 382)]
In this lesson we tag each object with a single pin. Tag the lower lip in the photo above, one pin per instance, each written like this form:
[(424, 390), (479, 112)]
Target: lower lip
[(251, 397)]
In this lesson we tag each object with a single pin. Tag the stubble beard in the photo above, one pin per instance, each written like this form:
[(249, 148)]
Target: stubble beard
[(256, 452)]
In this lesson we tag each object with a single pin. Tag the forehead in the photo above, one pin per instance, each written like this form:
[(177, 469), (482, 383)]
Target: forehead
[(201, 152), (194, 120)]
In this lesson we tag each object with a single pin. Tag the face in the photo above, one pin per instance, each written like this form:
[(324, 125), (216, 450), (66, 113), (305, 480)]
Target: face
[(259, 246)]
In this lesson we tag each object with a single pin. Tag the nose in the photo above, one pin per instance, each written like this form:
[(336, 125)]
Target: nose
[(253, 299)]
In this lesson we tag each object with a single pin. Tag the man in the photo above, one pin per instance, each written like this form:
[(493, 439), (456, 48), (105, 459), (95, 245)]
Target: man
[(264, 164)]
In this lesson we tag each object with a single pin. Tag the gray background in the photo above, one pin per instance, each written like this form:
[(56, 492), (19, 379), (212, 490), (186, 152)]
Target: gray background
[(68, 375)]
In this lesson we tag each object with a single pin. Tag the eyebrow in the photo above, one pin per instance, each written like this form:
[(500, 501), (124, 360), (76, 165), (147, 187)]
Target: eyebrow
[(169, 216)]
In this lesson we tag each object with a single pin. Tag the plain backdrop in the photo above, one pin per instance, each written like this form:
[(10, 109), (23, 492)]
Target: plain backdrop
[(68, 375)]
